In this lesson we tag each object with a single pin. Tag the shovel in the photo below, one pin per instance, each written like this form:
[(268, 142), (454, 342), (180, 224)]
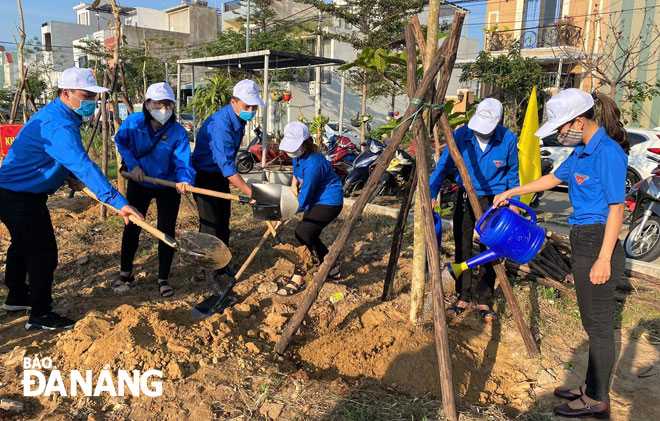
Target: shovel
[(201, 249), (221, 299), (272, 202)]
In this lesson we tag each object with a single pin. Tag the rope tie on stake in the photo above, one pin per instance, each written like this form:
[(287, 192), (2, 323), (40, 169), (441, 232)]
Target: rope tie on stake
[(422, 106)]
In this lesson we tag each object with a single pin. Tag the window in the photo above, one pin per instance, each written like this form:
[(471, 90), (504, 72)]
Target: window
[(636, 138), (82, 61)]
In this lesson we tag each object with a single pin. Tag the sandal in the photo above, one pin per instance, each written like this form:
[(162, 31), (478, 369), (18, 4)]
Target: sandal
[(290, 289), (121, 285), (167, 292), (488, 315), (337, 275), (456, 310)]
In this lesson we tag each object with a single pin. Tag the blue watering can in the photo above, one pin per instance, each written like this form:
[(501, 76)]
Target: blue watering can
[(507, 235)]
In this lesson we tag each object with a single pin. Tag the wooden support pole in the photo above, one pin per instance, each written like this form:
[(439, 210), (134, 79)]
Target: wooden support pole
[(356, 211), (17, 97), (525, 333), (397, 236), (433, 257), (419, 37), (104, 130)]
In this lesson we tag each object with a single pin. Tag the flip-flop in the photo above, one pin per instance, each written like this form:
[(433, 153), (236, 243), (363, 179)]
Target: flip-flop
[(122, 284), (488, 315), (456, 309), (168, 292), (290, 289)]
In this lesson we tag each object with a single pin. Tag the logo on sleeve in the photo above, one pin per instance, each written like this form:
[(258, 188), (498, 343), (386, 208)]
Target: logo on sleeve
[(581, 178), (498, 163)]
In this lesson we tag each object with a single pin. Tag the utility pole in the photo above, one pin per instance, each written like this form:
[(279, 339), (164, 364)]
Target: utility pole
[(341, 104), (247, 29), (317, 84)]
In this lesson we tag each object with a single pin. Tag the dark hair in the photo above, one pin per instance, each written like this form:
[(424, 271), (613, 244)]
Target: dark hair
[(148, 117), (308, 146), (610, 118)]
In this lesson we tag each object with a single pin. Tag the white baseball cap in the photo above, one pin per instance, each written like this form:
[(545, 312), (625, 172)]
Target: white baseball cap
[(159, 91), (77, 78), (295, 133), (247, 91), (486, 118), (564, 107)]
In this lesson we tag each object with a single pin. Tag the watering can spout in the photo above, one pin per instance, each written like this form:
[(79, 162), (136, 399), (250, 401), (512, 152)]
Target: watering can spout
[(455, 269)]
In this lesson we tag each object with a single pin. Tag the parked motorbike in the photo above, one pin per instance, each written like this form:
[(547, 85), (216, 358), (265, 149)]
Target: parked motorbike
[(397, 176), (362, 166), (643, 201), (341, 155), (248, 157)]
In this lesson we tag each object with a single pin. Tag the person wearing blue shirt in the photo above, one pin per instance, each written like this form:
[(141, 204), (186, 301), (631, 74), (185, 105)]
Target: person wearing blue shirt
[(596, 176), (214, 160), (152, 143), (47, 151), (490, 152), (320, 197)]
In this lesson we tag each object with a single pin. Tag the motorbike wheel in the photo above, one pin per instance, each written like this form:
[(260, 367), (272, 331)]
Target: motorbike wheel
[(349, 186), (380, 189), (647, 246), (244, 165)]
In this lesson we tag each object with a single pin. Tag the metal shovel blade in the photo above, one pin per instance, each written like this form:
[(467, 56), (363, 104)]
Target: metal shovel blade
[(274, 202), (204, 250)]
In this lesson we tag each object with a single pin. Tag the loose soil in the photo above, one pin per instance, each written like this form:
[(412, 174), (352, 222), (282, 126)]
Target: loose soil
[(358, 358)]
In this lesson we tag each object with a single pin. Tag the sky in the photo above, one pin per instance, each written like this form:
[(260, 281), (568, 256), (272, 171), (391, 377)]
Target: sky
[(36, 12)]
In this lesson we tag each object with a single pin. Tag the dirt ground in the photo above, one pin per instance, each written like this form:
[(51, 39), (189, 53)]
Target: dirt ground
[(354, 359)]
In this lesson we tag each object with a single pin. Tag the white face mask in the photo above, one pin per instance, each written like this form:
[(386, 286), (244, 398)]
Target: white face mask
[(161, 115), (483, 137), (296, 154)]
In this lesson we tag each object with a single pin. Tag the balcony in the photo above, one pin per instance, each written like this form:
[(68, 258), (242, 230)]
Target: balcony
[(559, 35)]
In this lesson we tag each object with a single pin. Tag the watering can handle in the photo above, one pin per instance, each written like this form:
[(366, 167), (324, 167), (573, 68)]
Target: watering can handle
[(514, 202)]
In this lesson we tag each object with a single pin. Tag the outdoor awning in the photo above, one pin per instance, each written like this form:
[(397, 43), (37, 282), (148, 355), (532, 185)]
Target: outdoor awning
[(254, 60)]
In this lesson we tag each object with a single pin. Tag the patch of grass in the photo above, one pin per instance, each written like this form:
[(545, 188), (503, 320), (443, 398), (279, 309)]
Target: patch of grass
[(375, 406)]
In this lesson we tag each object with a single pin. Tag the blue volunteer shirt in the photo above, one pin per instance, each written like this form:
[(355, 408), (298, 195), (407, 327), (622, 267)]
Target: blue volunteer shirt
[(46, 150), (319, 185), (169, 159), (493, 170), (218, 142), (596, 177)]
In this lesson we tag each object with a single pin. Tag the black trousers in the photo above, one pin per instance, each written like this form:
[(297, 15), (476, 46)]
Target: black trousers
[(596, 303), (32, 253), (214, 213), (167, 204), (464, 221), (308, 231)]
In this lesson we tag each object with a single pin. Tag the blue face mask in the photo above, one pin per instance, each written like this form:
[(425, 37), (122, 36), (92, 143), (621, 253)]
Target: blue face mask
[(247, 115), (86, 108)]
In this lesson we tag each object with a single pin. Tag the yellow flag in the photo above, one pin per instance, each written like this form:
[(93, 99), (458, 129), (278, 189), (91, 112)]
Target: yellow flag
[(529, 151)]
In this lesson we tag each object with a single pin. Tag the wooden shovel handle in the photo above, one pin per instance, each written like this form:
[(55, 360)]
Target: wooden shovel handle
[(270, 231), (192, 189), (142, 224)]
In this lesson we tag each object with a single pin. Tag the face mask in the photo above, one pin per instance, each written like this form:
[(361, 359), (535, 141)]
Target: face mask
[(483, 137), (571, 137), (295, 154), (162, 115), (247, 115), (86, 108)]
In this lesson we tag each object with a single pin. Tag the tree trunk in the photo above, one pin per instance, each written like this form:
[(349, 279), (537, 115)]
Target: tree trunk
[(364, 108), (104, 135), (419, 246), (121, 186), (21, 63), (144, 64)]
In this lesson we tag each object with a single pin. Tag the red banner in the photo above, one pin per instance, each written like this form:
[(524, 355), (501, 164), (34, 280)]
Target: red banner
[(8, 133)]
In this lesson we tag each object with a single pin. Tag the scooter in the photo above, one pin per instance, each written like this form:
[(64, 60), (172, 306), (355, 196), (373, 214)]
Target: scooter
[(396, 177), (341, 155), (247, 158), (643, 200), (362, 167)]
